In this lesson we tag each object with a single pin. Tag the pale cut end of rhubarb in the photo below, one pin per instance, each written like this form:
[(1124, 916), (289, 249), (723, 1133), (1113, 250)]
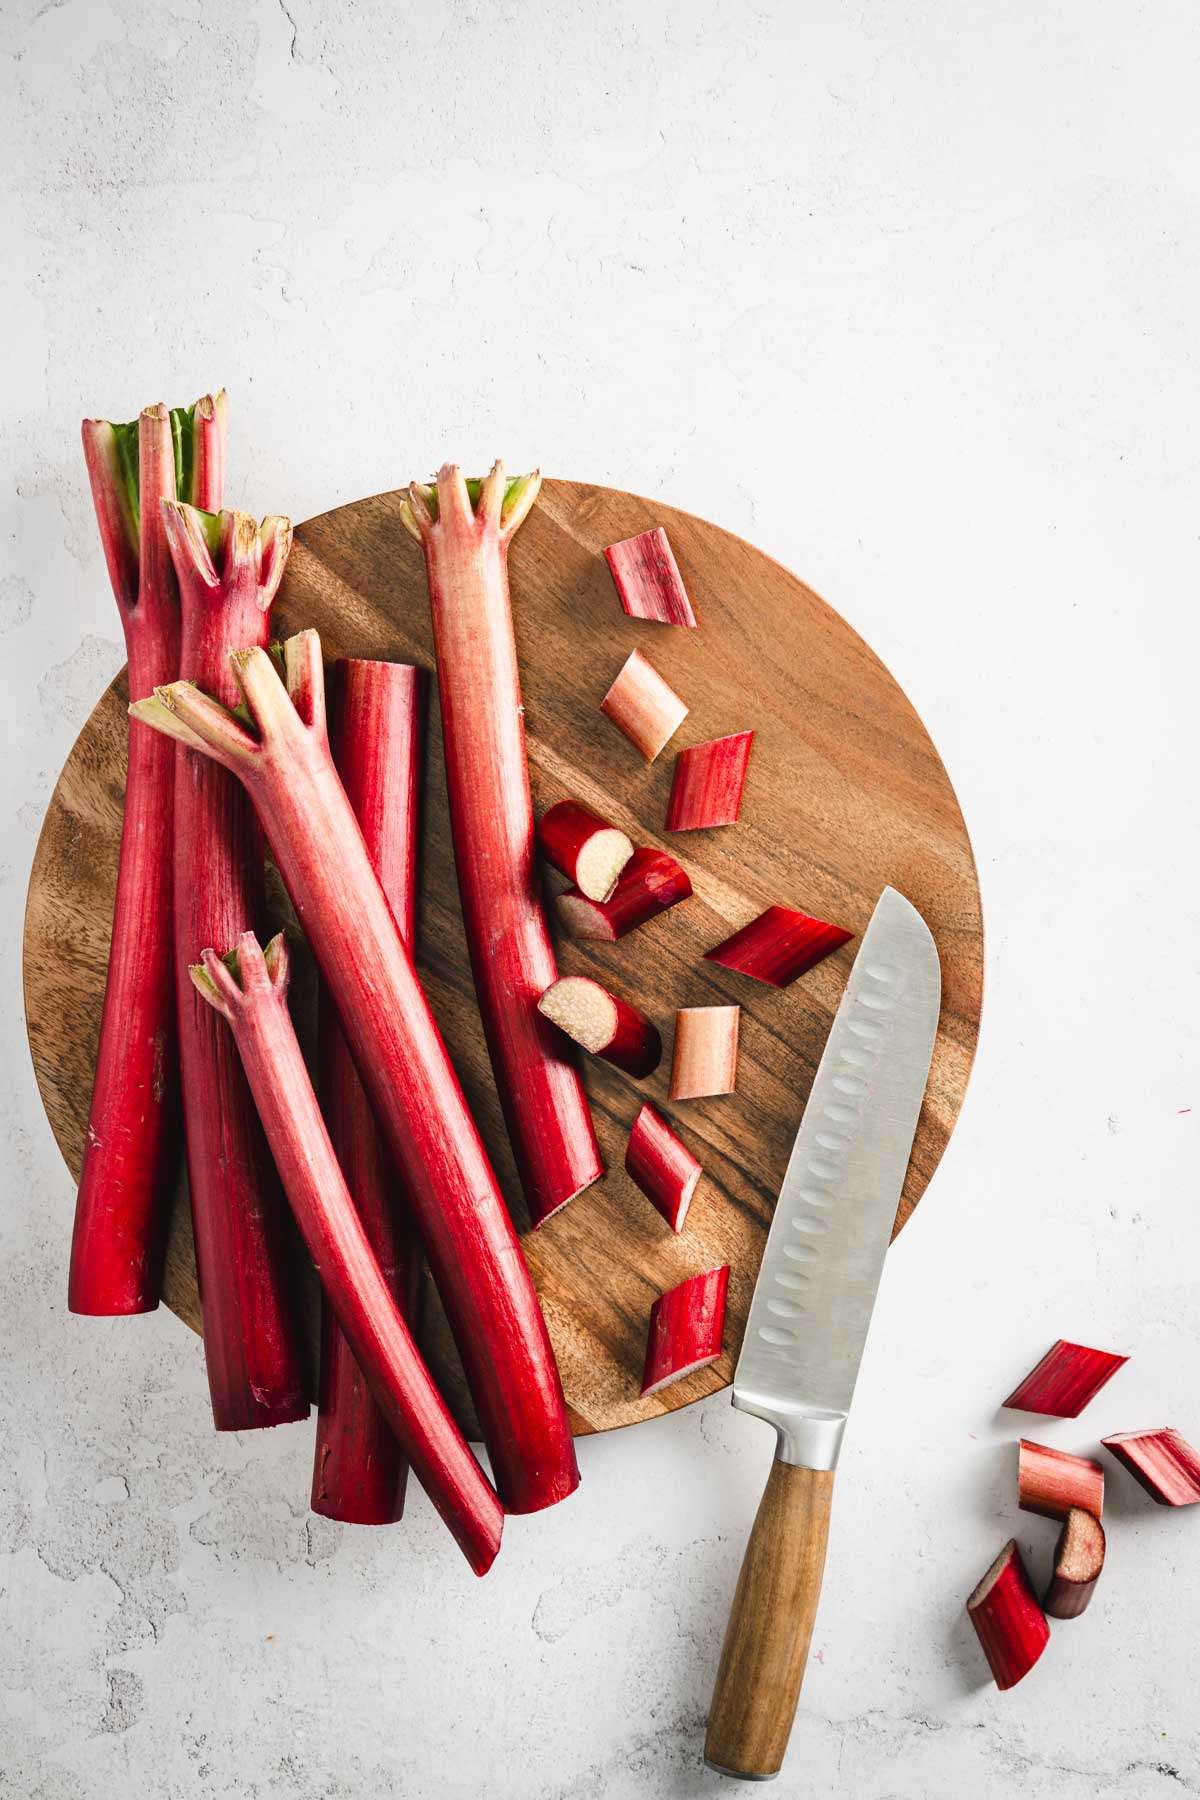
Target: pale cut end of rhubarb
[(1164, 1463), (706, 788), (584, 847), (650, 884), (779, 946), (583, 1009), (583, 918), (600, 862), (1051, 1482), (1008, 1620), (1078, 1560), (647, 579), (194, 718), (687, 1327), (704, 1063), (643, 707), (1066, 1379)]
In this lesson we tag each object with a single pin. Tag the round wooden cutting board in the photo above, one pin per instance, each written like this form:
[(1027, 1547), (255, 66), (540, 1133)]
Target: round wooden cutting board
[(845, 795)]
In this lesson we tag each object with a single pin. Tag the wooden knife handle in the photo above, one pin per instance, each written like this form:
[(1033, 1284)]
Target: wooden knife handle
[(767, 1638)]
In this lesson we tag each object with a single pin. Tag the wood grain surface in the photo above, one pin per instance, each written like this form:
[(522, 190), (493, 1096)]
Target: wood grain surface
[(845, 794)]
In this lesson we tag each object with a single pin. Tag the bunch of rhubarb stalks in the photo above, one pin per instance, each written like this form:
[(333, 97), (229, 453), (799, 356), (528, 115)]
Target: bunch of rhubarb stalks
[(234, 756), (1010, 1621)]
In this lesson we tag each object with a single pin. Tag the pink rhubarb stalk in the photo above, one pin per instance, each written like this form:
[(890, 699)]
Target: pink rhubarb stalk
[(584, 847), (228, 568), (650, 884), (254, 1002), (643, 707), (686, 1328), (1068, 1376), (1078, 1561), (1164, 1463), (1008, 1621), (704, 1061), (491, 822), (662, 1166), (647, 579), (130, 1156), (456, 1202), (706, 789), (779, 946), (1051, 1482), (605, 1025), (376, 733)]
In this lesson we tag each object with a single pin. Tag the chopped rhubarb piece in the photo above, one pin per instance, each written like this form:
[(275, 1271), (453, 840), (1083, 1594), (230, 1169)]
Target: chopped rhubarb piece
[(1078, 1561), (778, 946), (647, 579), (1165, 1464), (474, 1255), (662, 1166), (1052, 1482), (584, 847), (650, 884), (1068, 1376), (376, 734), (706, 1049), (252, 997), (706, 789), (603, 1024), (643, 706), (1008, 1621), (228, 568), (131, 1149), (686, 1328), (465, 530)]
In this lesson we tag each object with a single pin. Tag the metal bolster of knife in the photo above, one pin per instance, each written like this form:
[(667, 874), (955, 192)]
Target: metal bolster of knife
[(807, 1437)]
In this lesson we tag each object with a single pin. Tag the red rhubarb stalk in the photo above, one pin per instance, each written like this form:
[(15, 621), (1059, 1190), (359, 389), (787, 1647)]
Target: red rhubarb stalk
[(643, 706), (376, 733), (704, 1061), (650, 884), (605, 1025), (584, 847), (662, 1166), (778, 946), (455, 1199), (228, 568), (647, 579), (1078, 1561), (1068, 1376), (1052, 1482), (253, 998), (1010, 1624), (1163, 1462), (686, 1328), (131, 1150), (491, 822), (706, 789)]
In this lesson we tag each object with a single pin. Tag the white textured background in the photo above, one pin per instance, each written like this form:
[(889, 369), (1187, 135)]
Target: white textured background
[(907, 292)]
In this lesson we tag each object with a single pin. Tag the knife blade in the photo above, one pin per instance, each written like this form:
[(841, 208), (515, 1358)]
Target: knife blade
[(808, 1320)]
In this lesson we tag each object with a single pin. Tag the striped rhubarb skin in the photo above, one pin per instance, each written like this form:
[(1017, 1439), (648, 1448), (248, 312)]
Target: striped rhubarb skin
[(706, 788), (1163, 1462), (648, 886), (1066, 1379), (687, 1326), (779, 946), (647, 579)]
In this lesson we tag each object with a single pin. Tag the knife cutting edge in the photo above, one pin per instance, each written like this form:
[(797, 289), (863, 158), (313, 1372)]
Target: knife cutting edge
[(808, 1320)]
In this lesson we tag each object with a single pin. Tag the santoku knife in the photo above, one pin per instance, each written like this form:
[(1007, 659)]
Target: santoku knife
[(809, 1316)]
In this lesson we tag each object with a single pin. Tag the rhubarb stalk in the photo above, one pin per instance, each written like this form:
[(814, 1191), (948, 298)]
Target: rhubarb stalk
[(650, 884), (1051, 1482), (376, 733), (647, 579), (643, 707), (662, 1166), (706, 788), (252, 997), (1008, 1621), (584, 847), (605, 1025), (491, 822), (704, 1062), (228, 568), (779, 946), (1164, 1463), (1066, 1379), (456, 1202), (1078, 1561), (131, 1149), (686, 1328)]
